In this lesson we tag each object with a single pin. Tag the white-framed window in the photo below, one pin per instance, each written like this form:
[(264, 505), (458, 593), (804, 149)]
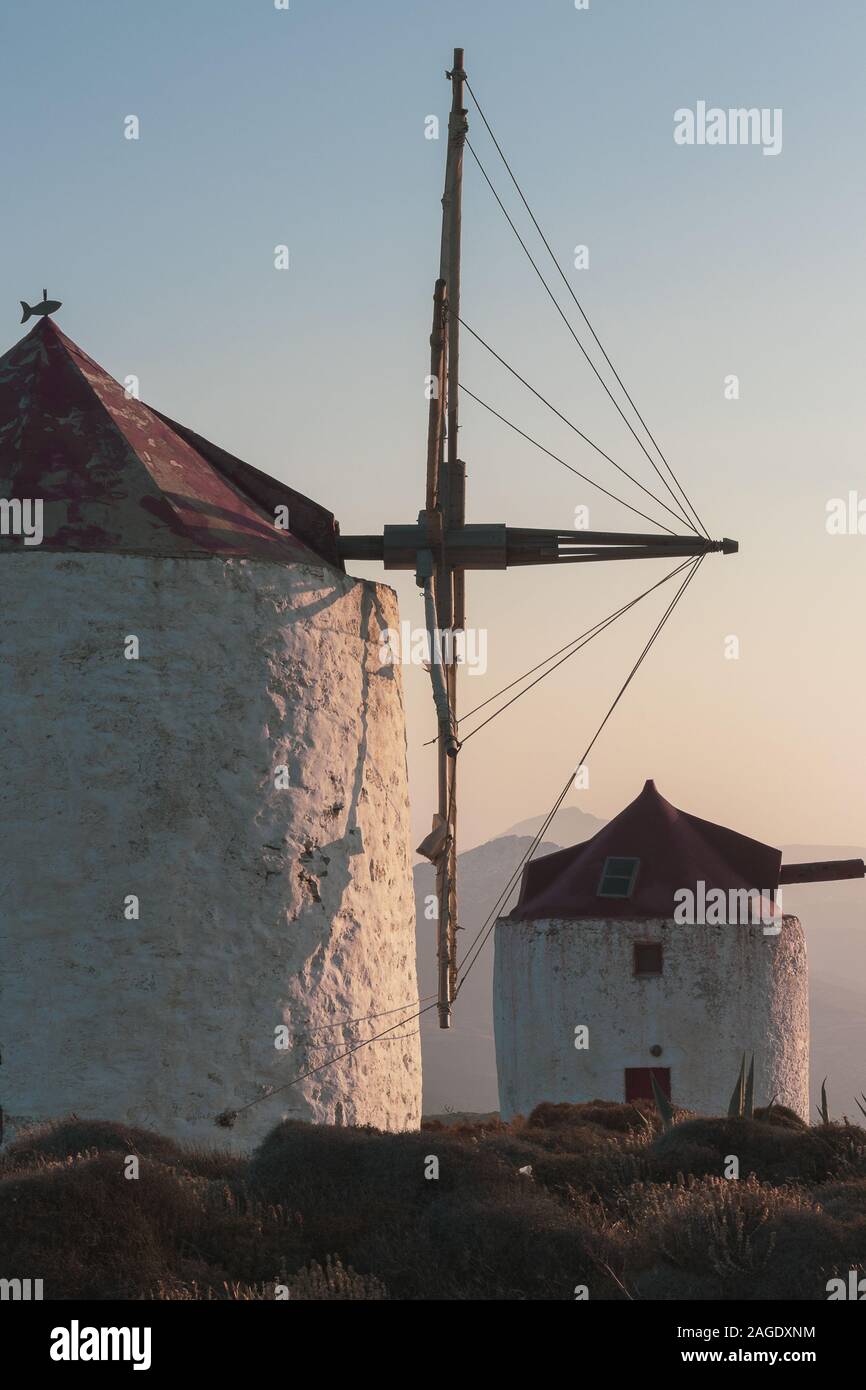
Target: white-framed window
[(618, 876)]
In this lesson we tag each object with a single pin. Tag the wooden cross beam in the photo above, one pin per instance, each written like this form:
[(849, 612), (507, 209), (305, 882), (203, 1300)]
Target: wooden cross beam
[(441, 554), (497, 546), (826, 871), (440, 547)]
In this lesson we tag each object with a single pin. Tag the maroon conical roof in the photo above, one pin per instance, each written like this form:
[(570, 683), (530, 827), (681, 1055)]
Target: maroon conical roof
[(676, 850), (115, 475)]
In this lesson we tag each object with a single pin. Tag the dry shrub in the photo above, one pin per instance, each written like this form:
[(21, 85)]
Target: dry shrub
[(779, 1115), (91, 1233), (773, 1153), (620, 1118), (383, 1167), (313, 1283), (357, 1186), (348, 1214), (578, 1159), (572, 1139), (848, 1144), (844, 1201), (562, 1115), (68, 1137), (810, 1247), (519, 1245), (717, 1238), (608, 1171), (581, 1140), (479, 1230), (466, 1125), (742, 1240), (717, 1226), (234, 1291)]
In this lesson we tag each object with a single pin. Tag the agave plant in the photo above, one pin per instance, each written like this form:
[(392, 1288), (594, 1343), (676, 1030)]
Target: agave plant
[(823, 1108), (742, 1104), (663, 1105), (860, 1107), (749, 1099)]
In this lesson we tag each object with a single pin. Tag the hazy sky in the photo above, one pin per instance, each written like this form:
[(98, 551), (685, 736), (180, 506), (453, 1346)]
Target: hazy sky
[(306, 127)]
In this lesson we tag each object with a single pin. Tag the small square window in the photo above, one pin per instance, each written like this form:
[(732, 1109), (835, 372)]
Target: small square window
[(647, 958), (618, 877)]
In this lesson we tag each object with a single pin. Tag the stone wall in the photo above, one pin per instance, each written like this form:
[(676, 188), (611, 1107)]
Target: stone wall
[(724, 990)]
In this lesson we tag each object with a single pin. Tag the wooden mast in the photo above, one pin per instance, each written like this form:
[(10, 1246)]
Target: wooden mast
[(433, 581), (440, 546), (452, 510)]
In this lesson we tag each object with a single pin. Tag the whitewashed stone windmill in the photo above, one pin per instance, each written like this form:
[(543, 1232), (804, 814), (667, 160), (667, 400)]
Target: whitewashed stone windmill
[(203, 808), (656, 952), (170, 654)]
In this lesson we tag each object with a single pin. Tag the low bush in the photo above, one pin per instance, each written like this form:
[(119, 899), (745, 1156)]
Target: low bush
[(774, 1153), (592, 1195), (65, 1138)]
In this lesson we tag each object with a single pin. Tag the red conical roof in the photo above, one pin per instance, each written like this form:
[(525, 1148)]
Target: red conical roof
[(115, 475), (676, 851)]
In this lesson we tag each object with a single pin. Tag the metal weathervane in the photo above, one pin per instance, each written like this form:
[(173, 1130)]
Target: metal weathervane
[(44, 307), (440, 546)]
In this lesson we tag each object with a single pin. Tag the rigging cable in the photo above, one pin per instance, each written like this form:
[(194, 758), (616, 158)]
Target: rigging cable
[(366, 1018), (227, 1118), (569, 648), (464, 391), (397, 1037), (484, 931), (683, 516), (577, 303), (583, 641), (571, 424)]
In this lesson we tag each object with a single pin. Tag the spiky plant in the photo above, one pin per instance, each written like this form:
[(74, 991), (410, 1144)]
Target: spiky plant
[(823, 1108), (742, 1103), (749, 1097), (663, 1105), (738, 1096)]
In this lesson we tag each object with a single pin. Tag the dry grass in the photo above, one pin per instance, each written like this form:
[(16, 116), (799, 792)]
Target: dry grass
[(774, 1153), (609, 1201)]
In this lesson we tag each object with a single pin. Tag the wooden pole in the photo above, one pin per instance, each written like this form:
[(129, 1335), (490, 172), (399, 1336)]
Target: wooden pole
[(453, 499), (436, 421), (430, 577), (452, 510)]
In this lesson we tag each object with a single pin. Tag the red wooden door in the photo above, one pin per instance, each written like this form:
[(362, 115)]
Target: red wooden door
[(638, 1085)]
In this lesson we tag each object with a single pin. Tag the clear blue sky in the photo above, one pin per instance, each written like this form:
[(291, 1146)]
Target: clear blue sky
[(306, 127)]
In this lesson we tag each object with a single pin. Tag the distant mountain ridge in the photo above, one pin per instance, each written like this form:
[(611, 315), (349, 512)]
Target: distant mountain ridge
[(570, 826)]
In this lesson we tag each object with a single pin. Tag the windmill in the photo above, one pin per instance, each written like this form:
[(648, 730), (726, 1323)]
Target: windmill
[(441, 547)]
